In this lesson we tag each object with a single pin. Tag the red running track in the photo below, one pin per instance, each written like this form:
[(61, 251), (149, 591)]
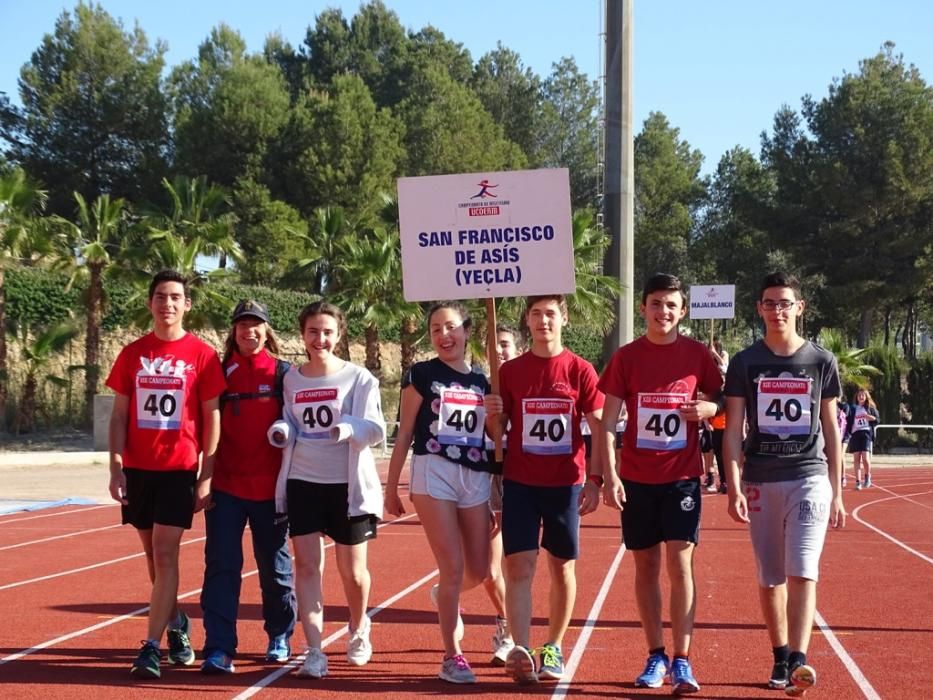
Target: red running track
[(73, 596)]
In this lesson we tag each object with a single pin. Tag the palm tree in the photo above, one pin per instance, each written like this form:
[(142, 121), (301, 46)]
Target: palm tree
[(196, 225), (93, 243), (37, 355), (201, 211), (375, 295), (853, 374), (592, 303), (21, 236), (318, 271)]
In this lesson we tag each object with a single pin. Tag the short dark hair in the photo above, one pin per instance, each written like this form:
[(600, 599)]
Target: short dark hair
[(663, 282), (319, 308), (558, 299), (517, 337), (467, 321), (167, 276), (780, 279)]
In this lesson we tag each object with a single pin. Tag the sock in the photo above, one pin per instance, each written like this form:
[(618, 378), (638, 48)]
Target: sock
[(796, 658), (780, 654), (685, 657), (153, 642), (659, 650), (178, 622)]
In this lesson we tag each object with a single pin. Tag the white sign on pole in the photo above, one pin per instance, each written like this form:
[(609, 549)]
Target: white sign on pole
[(712, 301), (481, 235)]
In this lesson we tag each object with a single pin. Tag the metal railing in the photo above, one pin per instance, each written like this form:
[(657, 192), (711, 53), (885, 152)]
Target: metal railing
[(902, 426)]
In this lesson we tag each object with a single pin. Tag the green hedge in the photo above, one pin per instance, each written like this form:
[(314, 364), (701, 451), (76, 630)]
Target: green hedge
[(920, 395)]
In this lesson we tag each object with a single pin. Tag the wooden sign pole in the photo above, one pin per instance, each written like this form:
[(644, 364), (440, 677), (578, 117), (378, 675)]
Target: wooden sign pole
[(492, 358)]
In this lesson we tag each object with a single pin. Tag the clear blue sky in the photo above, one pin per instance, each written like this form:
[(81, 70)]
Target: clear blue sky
[(719, 70)]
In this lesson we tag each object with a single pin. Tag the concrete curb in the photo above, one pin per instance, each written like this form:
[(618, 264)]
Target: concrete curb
[(39, 458)]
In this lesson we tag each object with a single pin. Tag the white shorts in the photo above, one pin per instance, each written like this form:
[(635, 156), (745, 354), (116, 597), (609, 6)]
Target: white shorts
[(438, 477), (788, 527)]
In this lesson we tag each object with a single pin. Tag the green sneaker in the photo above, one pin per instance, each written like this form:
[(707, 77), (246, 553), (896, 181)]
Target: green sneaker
[(552, 662), (148, 661), (179, 646)]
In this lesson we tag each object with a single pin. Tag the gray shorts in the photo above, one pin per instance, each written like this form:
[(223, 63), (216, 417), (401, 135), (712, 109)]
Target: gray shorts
[(788, 526), (437, 477)]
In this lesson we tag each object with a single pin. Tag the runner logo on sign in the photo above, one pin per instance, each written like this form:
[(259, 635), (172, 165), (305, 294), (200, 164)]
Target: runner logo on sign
[(546, 426), (316, 411), (462, 418), (784, 405), (660, 425), (160, 402)]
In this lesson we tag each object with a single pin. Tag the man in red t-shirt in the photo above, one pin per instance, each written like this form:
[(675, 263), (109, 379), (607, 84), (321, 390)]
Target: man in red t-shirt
[(658, 377), (543, 396), (164, 425)]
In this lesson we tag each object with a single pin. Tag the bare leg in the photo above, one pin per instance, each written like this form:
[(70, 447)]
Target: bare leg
[(161, 544), (309, 572), (351, 564), (683, 593), (562, 595), (648, 594), (774, 609), (519, 573), (801, 609)]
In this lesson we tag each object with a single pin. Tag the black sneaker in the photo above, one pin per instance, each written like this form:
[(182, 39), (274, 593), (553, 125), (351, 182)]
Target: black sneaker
[(179, 646), (778, 678), (148, 661)]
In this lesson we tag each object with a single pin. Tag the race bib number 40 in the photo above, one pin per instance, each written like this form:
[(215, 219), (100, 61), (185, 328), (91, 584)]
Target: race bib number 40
[(546, 426), (462, 418), (160, 402), (784, 405), (660, 425), (315, 411)]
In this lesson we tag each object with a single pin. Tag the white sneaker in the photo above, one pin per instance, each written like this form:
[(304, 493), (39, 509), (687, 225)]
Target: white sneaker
[(359, 650), (502, 642), (458, 632), (456, 670), (314, 666)]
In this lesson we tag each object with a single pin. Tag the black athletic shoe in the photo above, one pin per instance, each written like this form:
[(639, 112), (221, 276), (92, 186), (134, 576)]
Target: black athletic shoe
[(778, 678), (148, 661), (179, 646)]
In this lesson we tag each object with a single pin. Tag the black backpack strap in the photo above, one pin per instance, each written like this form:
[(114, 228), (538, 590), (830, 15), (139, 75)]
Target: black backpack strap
[(281, 367)]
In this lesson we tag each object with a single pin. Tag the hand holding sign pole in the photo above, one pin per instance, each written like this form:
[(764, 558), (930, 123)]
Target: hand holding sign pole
[(486, 235)]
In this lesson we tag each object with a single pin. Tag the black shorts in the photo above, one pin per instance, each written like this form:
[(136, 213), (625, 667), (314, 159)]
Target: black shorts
[(166, 498), (657, 513), (706, 440), (860, 441), (549, 512), (323, 508)]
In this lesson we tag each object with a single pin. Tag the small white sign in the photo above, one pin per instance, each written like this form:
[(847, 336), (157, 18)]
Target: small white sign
[(481, 235), (712, 301)]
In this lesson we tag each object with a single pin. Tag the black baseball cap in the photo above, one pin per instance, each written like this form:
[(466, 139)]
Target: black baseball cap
[(250, 307)]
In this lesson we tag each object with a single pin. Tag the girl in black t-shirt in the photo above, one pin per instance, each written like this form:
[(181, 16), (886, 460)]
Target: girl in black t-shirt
[(442, 413)]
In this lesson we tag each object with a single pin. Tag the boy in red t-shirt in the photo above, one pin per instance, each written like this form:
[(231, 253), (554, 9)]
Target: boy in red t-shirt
[(543, 396), (659, 377), (166, 414)]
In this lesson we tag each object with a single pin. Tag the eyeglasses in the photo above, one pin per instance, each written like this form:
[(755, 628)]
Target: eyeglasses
[(780, 305)]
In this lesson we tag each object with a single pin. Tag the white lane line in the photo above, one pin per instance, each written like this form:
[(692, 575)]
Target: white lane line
[(134, 613), (59, 537), (298, 660), (847, 661), (907, 498), (571, 668), (79, 570), (78, 509), (885, 534)]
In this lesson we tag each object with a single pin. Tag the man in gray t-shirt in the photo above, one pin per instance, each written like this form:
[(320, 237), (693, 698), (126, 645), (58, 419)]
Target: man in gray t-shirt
[(785, 389)]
